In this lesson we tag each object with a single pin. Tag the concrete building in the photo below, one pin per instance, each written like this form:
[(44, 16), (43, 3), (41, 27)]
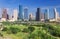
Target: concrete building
[(5, 16), (42, 17), (31, 17), (15, 14)]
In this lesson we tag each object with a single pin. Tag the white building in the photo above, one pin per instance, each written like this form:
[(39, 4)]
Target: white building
[(31, 17), (15, 14), (56, 14), (51, 20)]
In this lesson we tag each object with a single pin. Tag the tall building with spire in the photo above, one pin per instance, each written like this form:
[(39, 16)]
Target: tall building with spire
[(26, 14), (38, 18), (20, 14)]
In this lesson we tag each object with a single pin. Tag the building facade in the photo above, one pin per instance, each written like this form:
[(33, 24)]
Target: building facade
[(15, 14), (20, 14), (4, 13), (30, 17), (38, 14), (5, 16), (42, 17), (26, 14), (56, 14), (46, 14)]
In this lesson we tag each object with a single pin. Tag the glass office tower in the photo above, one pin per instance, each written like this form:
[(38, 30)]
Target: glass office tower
[(38, 14), (26, 14), (46, 14), (20, 14)]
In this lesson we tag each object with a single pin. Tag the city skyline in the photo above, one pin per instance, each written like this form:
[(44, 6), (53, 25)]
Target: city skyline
[(31, 4), (23, 15)]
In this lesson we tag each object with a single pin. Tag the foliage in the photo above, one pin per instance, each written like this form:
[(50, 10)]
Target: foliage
[(39, 31), (1, 34), (5, 29), (25, 30), (31, 29), (13, 30)]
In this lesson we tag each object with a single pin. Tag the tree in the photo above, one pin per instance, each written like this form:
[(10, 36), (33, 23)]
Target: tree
[(31, 29)]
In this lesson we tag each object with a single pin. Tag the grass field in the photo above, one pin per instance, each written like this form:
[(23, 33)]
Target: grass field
[(39, 31)]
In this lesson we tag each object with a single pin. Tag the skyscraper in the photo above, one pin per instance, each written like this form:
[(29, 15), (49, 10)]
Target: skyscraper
[(26, 14), (20, 14), (42, 16), (56, 14), (15, 14), (5, 16), (46, 14), (38, 14), (4, 13)]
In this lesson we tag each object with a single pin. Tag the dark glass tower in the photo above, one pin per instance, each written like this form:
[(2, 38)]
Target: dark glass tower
[(20, 14), (38, 14)]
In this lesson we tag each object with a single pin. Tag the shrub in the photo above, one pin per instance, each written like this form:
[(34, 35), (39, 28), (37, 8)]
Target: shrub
[(25, 30), (5, 29), (31, 29), (13, 30), (55, 33), (1, 34)]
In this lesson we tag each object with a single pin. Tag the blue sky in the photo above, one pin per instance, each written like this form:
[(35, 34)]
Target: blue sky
[(31, 4)]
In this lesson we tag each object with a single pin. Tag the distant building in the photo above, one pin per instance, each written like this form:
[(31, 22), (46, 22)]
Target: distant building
[(46, 14), (4, 13), (42, 16), (52, 20), (56, 14), (38, 15), (20, 14), (31, 17), (15, 14), (5, 16), (26, 14)]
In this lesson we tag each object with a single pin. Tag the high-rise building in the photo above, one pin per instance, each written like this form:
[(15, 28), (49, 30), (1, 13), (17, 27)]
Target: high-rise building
[(15, 14), (4, 13), (56, 14), (38, 14), (20, 14), (42, 16), (5, 16), (30, 17), (26, 14), (46, 14)]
